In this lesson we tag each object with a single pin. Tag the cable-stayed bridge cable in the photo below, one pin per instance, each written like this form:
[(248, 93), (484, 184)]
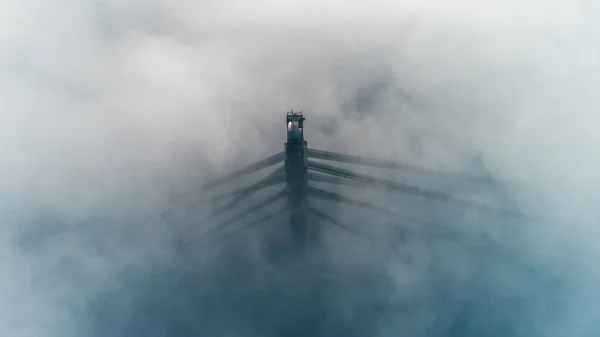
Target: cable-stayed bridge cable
[(412, 190)]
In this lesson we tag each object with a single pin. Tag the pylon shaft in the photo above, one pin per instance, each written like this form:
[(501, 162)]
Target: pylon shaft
[(297, 185)]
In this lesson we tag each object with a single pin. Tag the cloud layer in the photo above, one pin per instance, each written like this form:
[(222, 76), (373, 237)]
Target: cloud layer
[(110, 106)]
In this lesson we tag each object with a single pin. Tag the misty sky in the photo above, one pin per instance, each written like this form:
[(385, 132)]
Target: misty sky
[(109, 106)]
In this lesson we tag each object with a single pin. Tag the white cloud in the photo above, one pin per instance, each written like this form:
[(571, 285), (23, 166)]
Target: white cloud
[(98, 100)]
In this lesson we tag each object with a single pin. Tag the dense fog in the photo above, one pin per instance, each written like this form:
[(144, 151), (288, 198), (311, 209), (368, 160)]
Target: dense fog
[(115, 111)]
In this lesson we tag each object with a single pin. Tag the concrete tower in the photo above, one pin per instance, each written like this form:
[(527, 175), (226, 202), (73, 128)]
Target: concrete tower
[(296, 165)]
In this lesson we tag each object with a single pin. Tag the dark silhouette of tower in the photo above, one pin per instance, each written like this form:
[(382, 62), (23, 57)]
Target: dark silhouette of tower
[(307, 176), (296, 166)]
